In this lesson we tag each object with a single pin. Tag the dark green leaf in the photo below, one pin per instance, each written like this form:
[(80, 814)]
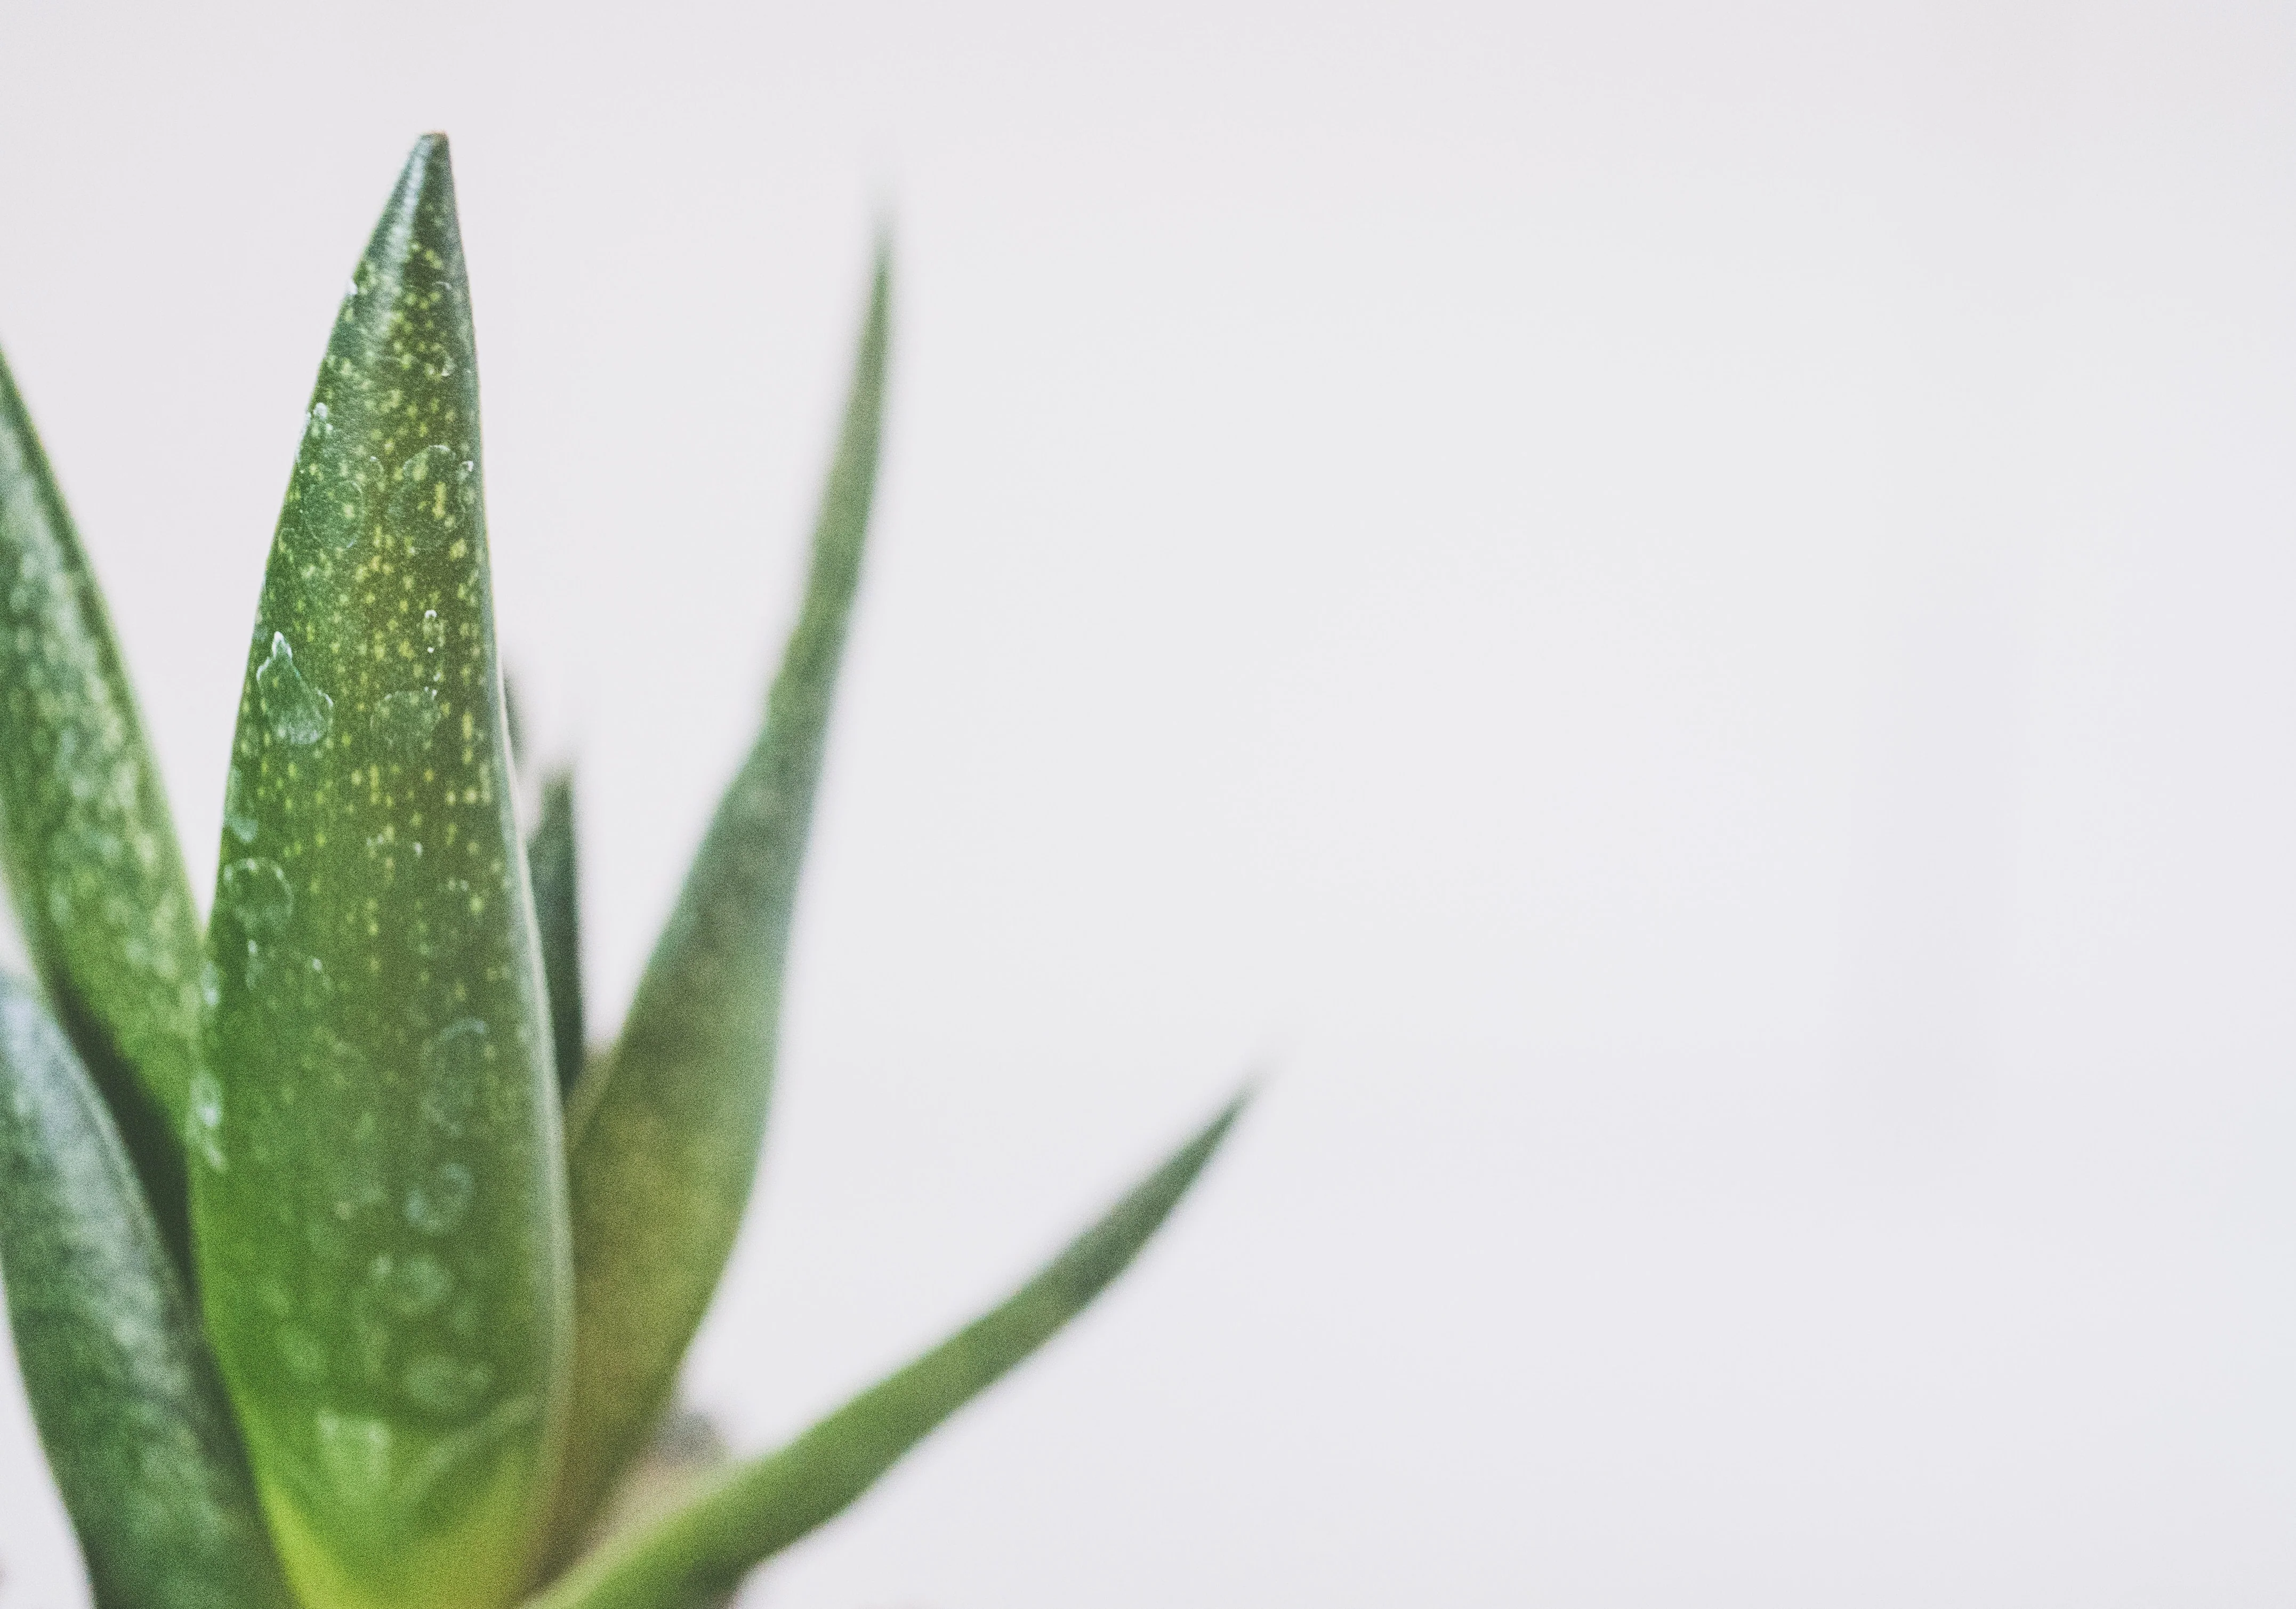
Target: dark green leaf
[(90, 851), (379, 1203), (121, 1385), (664, 1137), (551, 861), (703, 1549), (516, 727)]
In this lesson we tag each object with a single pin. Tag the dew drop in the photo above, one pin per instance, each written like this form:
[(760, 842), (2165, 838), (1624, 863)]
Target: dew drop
[(334, 1062), (434, 631), (439, 1204), (297, 712), (334, 495), (354, 1453), (210, 985), (440, 1384), (454, 1063), (413, 1285), (434, 497), (238, 805), (258, 892), (204, 1131), (406, 719)]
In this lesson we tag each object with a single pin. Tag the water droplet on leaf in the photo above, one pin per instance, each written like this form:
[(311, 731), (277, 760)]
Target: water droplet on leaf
[(354, 1453), (439, 1203), (258, 892), (434, 498), (332, 495), (405, 720), (412, 1285), (440, 1385), (205, 1130), (297, 712), (454, 1063), (238, 805)]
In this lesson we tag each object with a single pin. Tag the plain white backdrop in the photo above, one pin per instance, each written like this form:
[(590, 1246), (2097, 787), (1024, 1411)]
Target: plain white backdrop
[(1678, 615)]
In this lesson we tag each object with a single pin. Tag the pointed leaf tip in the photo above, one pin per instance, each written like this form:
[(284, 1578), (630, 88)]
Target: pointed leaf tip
[(380, 1227), (663, 1137), (552, 861), (702, 1549), (89, 848), (428, 161)]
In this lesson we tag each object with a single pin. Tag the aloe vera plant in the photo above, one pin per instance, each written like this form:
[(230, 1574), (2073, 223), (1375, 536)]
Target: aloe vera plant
[(342, 1272)]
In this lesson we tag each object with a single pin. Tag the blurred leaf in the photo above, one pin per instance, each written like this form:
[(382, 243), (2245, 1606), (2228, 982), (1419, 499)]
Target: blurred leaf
[(512, 724), (745, 1516), (552, 864), (663, 1138), (378, 1204), (121, 1386), (685, 1449), (90, 851)]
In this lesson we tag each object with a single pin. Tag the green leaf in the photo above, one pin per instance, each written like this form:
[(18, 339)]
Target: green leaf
[(759, 1509), (511, 722), (378, 1207), (552, 864), (90, 851), (121, 1385), (664, 1136)]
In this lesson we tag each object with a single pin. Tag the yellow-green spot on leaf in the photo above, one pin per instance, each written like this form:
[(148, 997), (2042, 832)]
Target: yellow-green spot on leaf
[(434, 497)]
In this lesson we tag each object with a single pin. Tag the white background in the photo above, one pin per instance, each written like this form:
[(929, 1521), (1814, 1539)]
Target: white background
[(1678, 615)]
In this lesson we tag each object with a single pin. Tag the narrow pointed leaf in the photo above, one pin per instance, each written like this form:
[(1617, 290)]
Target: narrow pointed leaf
[(91, 854), (551, 860), (378, 1207), (121, 1386), (510, 722), (705, 1549), (664, 1137)]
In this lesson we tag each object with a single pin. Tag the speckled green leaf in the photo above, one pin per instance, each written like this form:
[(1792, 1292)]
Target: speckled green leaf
[(552, 862), (664, 1134), (378, 1203), (90, 852), (757, 1509), (121, 1383)]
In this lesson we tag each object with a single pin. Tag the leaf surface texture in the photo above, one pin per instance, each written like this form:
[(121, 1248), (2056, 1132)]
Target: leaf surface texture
[(378, 1203), (126, 1397)]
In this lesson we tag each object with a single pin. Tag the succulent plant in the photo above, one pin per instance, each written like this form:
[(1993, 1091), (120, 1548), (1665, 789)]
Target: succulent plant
[(342, 1272)]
